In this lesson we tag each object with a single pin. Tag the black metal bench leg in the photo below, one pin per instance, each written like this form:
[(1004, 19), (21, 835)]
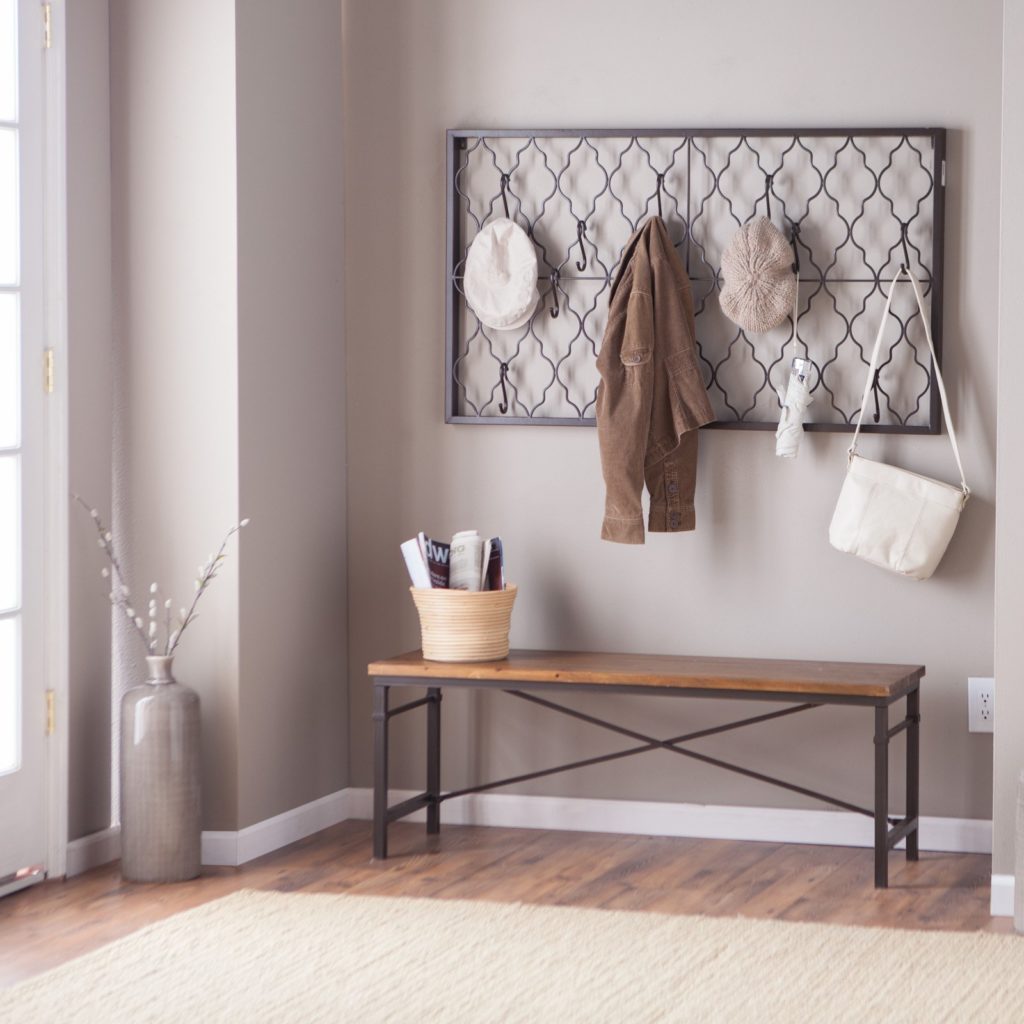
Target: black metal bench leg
[(913, 770), (881, 797), (434, 760), (380, 771)]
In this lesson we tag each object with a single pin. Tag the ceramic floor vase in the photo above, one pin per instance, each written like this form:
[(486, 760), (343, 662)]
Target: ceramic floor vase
[(160, 794)]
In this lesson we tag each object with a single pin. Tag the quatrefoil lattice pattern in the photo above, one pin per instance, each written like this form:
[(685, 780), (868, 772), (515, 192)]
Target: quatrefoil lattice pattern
[(849, 200)]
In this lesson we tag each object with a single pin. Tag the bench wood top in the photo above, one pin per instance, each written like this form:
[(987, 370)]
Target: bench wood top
[(671, 671)]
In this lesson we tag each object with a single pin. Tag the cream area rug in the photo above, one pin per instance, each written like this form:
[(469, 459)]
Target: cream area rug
[(304, 958)]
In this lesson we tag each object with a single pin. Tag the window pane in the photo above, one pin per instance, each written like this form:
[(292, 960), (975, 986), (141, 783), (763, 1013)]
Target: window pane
[(8, 205), (10, 378), (9, 499), (10, 695), (8, 61)]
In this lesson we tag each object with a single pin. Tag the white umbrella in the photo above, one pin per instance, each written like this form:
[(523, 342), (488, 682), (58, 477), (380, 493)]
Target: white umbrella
[(795, 400)]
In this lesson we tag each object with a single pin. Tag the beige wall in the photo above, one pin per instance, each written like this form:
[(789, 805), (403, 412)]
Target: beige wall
[(176, 330), (227, 229), (759, 584), (89, 376), (1009, 655), (292, 716), (758, 576)]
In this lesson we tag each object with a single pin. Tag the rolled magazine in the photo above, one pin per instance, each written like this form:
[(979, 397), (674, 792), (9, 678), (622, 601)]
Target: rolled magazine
[(466, 564)]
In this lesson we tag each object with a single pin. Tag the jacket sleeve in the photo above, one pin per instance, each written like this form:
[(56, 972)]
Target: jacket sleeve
[(623, 416)]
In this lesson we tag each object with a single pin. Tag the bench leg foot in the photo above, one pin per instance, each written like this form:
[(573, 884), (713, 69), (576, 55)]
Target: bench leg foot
[(434, 760), (380, 771), (913, 770), (881, 797)]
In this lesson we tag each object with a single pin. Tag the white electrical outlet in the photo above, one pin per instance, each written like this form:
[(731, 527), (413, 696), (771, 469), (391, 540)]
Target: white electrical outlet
[(981, 703)]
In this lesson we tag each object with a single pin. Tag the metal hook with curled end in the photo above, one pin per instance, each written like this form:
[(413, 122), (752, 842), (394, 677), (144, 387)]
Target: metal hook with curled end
[(874, 389), (904, 228), (505, 179), (661, 183), (768, 179), (794, 239), (581, 233), (502, 377), (555, 278)]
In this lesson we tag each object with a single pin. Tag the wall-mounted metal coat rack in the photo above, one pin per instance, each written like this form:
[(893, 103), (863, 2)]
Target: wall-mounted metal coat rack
[(856, 202)]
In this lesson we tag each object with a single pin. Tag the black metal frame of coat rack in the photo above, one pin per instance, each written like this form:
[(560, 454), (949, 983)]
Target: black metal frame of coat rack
[(485, 370)]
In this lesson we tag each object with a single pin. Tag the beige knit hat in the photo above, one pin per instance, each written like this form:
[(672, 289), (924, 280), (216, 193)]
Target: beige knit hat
[(759, 284)]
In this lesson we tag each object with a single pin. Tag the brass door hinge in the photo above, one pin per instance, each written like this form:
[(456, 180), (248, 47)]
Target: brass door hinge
[(48, 371), (47, 27), (51, 713)]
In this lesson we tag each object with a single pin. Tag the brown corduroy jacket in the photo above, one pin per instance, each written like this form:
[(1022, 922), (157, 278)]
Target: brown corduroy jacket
[(651, 398)]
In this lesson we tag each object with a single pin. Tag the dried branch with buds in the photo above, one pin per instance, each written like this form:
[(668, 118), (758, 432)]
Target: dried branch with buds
[(120, 595)]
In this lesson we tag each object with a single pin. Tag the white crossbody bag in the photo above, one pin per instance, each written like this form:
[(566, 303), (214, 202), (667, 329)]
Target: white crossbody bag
[(889, 516)]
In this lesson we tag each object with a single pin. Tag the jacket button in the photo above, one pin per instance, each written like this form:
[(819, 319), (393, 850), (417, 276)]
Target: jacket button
[(673, 520), (673, 488)]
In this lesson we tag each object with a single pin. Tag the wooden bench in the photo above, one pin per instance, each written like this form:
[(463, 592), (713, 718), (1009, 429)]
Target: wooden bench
[(535, 675)]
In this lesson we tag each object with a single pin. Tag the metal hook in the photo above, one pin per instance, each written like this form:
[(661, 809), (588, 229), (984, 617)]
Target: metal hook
[(581, 231), (661, 182), (794, 235), (505, 179), (904, 227), (768, 179), (874, 388), (502, 375), (555, 276)]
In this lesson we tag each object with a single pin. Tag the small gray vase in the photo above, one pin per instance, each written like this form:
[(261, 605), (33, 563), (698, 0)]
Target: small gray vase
[(160, 799)]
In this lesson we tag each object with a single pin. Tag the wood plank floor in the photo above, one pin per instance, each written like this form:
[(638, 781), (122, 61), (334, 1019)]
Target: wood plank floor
[(53, 922)]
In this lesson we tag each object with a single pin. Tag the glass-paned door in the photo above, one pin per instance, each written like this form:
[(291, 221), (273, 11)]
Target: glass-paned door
[(23, 447)]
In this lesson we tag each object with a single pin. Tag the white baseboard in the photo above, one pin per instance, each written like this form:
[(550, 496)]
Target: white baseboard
[(234, 848), (219, 849), (225, 848), (1002, 896), (570, 814), (93, 850), (701, 821)]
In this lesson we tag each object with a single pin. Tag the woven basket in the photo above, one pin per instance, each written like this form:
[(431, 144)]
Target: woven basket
[(464, 625)]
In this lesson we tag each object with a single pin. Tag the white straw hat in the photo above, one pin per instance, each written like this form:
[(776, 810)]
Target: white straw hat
[(759, 284), (500, 280)]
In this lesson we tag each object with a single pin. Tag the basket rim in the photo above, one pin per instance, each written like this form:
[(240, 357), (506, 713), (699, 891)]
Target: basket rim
[(510, 588)]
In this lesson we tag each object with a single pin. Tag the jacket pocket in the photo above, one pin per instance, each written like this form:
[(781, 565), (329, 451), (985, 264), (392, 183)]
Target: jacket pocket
[(636, 355)]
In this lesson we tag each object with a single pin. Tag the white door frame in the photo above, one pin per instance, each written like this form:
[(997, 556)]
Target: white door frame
[(58, 485), (41, 72)]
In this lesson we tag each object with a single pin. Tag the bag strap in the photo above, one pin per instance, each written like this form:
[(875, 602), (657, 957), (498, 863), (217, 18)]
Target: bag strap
[(796, 320), (796, 315), (935, 363)]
